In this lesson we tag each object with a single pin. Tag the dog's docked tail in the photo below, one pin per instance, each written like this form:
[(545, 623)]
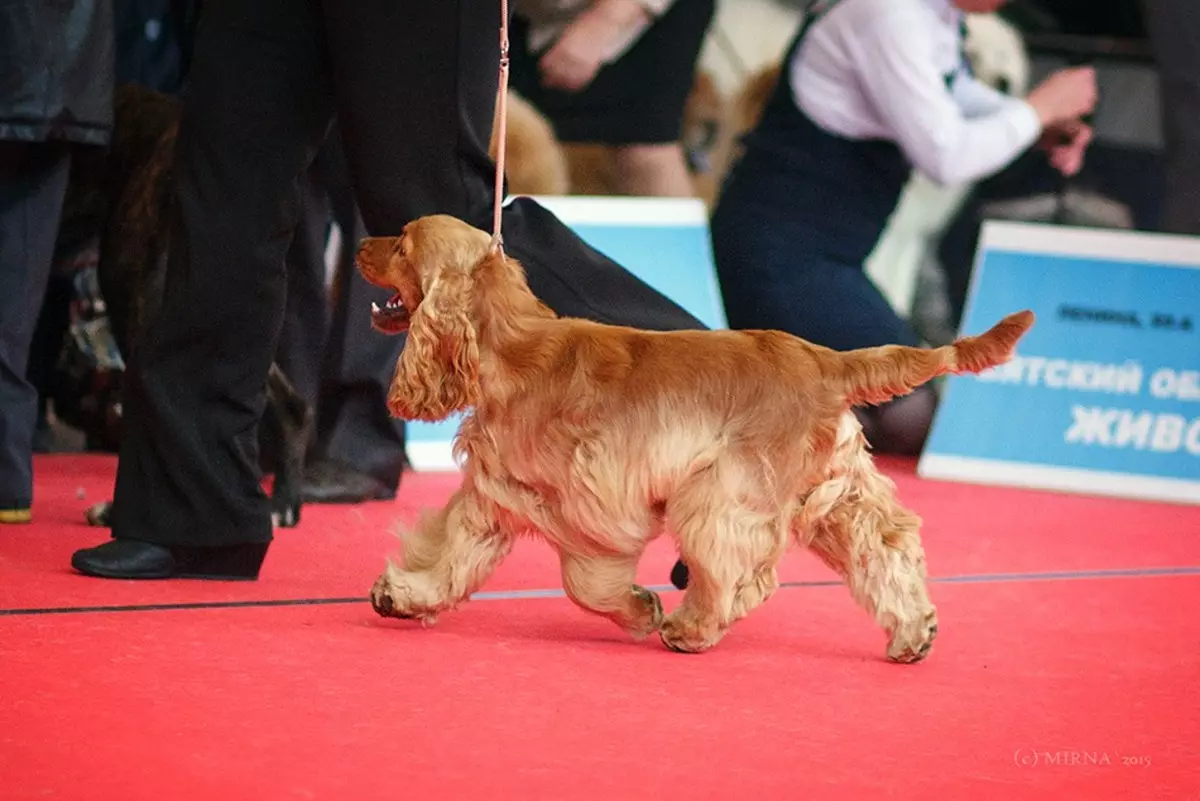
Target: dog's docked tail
[(876, 375)]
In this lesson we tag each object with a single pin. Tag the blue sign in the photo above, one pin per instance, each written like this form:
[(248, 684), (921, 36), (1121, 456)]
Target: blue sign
[(663, 241), (1103, 396)]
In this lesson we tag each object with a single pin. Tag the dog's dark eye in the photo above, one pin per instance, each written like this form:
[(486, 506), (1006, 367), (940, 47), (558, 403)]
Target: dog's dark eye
[(1003, 85)]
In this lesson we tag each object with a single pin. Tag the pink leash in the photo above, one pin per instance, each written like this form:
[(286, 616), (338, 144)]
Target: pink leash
[(502, 143)]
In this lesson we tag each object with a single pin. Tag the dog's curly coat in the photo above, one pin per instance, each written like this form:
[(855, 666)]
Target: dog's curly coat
[(599, 438)]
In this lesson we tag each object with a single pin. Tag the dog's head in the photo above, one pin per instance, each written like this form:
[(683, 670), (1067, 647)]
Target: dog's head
[(996, 51), (429, 268)]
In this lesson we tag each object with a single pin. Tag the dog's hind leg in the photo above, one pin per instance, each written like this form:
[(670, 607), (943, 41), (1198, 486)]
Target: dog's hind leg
[(449, 555), (874, 544), (291, 421), (604, 584), (731, 551), (757, 590)]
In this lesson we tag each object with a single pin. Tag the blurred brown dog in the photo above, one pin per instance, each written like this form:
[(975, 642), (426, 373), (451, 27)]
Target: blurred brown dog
[(535, 161), (599, 438)]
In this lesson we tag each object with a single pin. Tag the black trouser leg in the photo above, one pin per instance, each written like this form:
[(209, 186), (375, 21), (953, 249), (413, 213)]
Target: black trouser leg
[(416, 87), (306, 312), (53, 324), (258, 105), (353, 427), (33, 183), (1174, 27)]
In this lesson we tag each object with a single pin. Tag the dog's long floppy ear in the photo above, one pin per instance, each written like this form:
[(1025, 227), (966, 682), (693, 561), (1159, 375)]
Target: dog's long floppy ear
[(438, 371)]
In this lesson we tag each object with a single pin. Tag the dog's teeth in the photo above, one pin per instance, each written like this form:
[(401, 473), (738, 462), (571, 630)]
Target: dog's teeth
[(375, 307)]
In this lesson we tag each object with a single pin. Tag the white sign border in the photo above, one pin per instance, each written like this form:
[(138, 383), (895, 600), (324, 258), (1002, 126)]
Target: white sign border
[(1043, 239), (1022, 475)]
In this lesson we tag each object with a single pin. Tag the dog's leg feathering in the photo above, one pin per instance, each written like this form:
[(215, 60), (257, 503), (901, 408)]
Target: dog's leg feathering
[(605, 585), (731, 552), (448, 556), (873, 543), (293, 421)]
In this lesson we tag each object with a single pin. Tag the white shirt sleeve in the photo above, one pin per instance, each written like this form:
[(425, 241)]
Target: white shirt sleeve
[(656, 8), (975, 98), (899, 76)]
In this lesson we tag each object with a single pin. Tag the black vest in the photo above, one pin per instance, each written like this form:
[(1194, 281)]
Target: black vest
[(839, 192)]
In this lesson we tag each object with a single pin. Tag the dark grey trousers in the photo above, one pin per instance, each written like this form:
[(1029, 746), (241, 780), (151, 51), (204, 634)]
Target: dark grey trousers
[(327, 348), (33, 183), (1174, 27)]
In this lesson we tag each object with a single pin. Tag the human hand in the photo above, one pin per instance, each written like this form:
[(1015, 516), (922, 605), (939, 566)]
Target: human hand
[(1065, 144), (590, 41), (1065, 96)]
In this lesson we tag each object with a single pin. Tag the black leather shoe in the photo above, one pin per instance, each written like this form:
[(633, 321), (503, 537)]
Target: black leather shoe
[(327, 481), (679, 575), (132, 559)]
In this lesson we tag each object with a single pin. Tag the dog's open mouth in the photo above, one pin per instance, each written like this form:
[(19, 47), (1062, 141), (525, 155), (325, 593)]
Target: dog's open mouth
[(392, 318)]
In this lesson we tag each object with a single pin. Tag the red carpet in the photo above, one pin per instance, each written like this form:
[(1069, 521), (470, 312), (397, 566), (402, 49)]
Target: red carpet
[(1053, 677)]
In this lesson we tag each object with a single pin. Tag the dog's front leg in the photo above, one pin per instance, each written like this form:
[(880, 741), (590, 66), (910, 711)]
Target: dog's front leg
[(447, 556), (604, 584)]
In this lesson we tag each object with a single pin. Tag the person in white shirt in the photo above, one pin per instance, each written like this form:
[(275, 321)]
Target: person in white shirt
[(870, 90)]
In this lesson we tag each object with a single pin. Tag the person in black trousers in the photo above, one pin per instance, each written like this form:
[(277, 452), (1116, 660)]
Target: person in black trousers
[(345, 370), (413, 87), (57, 65), (339, 364)]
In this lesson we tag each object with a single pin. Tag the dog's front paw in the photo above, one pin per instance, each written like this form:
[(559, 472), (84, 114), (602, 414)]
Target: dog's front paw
[(912, 642), (383, 600), (689, 634), (392, 597)]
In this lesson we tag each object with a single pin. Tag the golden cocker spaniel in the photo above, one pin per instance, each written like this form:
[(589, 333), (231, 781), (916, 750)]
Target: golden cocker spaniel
[(599, 438)]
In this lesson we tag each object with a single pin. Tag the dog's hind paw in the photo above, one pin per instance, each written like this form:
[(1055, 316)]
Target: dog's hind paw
[(653, 616)]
